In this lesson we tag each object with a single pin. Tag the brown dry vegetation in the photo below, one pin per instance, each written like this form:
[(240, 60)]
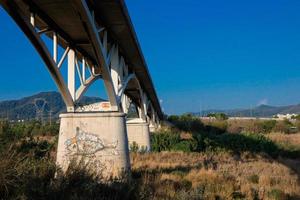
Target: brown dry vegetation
[(220, 175), (285, 139), (228, 171)]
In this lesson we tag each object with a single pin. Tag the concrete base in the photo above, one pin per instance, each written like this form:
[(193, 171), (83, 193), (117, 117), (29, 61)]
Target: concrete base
[(99, 140), (138, 132), (152, 128)]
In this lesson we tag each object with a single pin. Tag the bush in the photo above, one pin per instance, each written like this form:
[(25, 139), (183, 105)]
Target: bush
[(171, 141), (38, 149), (217, 127), (276, 194), (218, 116), (185, 146), (164, 141), (236, 143), (213, 137), (248, 142), (266, 126), (297, 117), (27, 129), (283, 126), (187, 123), (26, 178), (135, 148)]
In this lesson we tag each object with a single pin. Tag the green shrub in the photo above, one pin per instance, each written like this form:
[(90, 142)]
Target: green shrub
[(185, 146), (164, 141), (134, 147), (276, 194), (217, 127), (4, 126), (284, 126), (218, 116), (39, 149), (187, 123), (199, 138), (23, 177), (265, 126), (248, 142), (213, 137), (297, 117), (237, 143), (171, 141)]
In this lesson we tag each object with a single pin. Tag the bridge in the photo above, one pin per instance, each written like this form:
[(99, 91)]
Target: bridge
[(80, 42)]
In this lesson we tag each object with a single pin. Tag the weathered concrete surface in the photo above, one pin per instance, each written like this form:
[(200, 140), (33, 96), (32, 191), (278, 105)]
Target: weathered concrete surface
[(152, 128), (97, 139), (138, 132)]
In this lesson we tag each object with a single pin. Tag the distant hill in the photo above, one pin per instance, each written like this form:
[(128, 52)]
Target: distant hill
[(259, 111), (39, 106), (46, 104)]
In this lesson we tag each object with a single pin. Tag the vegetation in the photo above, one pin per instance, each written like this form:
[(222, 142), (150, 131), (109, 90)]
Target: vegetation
[(171, 141), (192, 160), (214, 136), (219, 116), (178, 175), (297, 117)]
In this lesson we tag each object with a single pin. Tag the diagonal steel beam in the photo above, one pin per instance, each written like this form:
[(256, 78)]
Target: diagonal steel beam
[(88, 23), (53, 26), (14, 11)]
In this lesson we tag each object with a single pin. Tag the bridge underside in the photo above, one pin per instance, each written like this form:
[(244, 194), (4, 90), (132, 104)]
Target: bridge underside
[(65, 18), (97, 41)]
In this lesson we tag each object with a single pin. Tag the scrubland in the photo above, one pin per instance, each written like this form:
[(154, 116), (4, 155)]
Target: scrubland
[(216, 159), (217, 176)]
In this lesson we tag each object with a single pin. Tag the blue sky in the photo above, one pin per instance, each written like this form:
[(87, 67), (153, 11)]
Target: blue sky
[(201, 54)]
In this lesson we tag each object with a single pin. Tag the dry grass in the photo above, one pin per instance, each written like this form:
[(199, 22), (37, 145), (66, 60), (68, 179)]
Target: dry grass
[(219, 175), (288, 139)]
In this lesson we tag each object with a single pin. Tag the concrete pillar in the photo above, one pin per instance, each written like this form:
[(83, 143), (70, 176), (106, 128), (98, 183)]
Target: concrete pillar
[(97, 139), (138, 132), (152, 128)]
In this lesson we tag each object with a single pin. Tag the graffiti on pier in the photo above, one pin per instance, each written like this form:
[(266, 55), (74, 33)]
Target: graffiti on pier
[(88, 144), (94, 107)]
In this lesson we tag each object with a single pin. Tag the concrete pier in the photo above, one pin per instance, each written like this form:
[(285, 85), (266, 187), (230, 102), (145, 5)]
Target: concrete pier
[(97, 139), (152, 128), (138, 132)]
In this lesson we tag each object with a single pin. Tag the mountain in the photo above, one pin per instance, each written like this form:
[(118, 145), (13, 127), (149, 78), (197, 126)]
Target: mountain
[(46, 105), (259, 111), (40, 106)]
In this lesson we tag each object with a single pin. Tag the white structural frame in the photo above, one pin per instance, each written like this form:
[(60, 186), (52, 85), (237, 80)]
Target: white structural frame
[(110, 65)]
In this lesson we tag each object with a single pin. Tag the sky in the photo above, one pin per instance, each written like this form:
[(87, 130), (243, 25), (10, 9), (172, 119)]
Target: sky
[(216, 54)]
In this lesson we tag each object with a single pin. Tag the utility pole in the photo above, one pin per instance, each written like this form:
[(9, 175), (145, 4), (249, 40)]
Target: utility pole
[(40, 104)]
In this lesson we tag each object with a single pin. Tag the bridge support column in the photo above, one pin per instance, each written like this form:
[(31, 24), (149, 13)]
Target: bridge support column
[(99, 140), (152, 127), (138, 132)]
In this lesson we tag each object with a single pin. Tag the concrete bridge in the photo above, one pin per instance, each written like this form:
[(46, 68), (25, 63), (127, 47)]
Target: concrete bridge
[(91, 40)]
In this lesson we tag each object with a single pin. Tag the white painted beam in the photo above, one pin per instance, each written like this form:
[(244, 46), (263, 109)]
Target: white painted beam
[(71, 73)]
